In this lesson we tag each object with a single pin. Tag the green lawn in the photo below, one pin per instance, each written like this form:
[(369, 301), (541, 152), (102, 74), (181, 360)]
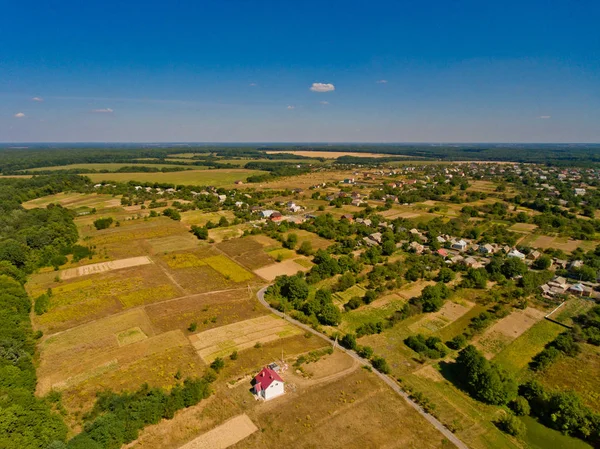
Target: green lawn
[(539, 436)]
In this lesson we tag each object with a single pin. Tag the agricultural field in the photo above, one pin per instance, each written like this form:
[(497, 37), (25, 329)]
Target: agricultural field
[(516, 356), (221, 177), (582, 375), (75, 201), (109, 167), (563, 243)]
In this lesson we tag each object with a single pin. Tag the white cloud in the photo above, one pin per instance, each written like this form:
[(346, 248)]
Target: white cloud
[(290, 107), (545, 117), (39, 99), (19, 115), (324, 102), (381, 81), (103, 111), (322, 87), (252, 84)]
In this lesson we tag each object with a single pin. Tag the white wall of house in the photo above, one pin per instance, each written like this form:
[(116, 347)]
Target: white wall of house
[(274, 390)]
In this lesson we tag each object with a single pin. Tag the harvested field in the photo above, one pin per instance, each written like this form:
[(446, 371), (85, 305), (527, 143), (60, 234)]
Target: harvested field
[(207, 310), (522, 227), (223, 340), (200, 217), (129, 336), (433, 322), (187, 177), (355, 411), (158, 369), (73, 200), (563, 243), (227, 434), (247, 251), (102, 267), (507, 329), (223, 234), (184, 260), (288, 267), (332, 154), (173, 243), (306, 236), (81, 362), (81, 300), (281, 254)]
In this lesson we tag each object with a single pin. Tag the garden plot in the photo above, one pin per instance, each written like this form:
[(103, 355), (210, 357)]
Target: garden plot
[(225, 435), (433, 322), (102, 267), (288, 267), (223, 340), (247, 251), (507, 329)]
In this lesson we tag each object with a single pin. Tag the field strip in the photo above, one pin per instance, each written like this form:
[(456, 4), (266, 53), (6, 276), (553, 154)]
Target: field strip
[(103, 267), (507, 329), (449, 313), (223, 340), (270, 272), (225, 435)]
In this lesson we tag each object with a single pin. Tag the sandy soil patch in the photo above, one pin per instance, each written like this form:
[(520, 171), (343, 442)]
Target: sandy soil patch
[(225, 435), (288, 267), (504, 331), (102, 267), (222, 341), (449, 313)]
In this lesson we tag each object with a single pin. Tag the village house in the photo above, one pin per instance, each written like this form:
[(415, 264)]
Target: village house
[(348, 217), (416, 247), (461, 245), (268, 384), (516, 253), (580, 290), (276, 216), (487, 249), (534, 255), (376, 236)]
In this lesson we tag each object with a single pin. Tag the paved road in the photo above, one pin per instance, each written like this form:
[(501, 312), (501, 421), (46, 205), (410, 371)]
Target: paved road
[(388, 380)]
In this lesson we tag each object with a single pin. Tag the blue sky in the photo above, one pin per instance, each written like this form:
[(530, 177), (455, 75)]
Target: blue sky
[(437, 71)]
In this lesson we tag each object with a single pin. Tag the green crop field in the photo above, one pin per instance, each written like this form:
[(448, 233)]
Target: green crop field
[(188, 177)]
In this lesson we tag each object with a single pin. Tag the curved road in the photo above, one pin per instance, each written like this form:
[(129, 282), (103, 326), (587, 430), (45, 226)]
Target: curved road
[(388, 380)]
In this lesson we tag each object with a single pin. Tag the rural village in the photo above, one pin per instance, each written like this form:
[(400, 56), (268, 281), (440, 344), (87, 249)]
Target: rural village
[(389, 304)]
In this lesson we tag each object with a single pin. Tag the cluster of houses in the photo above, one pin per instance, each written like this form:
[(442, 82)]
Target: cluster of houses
[(558, 287)]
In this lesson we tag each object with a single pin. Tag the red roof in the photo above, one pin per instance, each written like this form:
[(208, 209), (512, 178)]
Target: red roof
[(442, 252), (265, 378)]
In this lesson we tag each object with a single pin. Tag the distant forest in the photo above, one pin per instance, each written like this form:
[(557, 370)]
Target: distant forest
[(19, 159)]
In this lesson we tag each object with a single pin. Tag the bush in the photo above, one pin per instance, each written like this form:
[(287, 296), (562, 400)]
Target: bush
[(103, 223), (173, 214), (520, 406), (381, 365), (354, 303), (511, 425), (348, 341), (234, 355), (218, 364), (458, 342), (366, 352), (193, 326)]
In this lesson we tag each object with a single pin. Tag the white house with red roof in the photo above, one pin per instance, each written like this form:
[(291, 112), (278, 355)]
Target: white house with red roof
[(268, 384)]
